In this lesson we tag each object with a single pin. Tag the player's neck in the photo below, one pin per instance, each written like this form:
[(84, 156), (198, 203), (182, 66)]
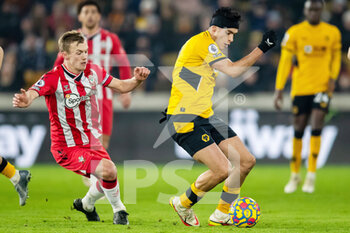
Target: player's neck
[(314, 24), (211, 33), (71, 69), (90, 31)]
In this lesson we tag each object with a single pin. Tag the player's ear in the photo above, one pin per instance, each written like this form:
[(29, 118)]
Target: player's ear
[(64, 54), (79, 18)]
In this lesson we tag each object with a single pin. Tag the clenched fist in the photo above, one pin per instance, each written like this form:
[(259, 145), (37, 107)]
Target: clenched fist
[(268, 41), (141, 73)]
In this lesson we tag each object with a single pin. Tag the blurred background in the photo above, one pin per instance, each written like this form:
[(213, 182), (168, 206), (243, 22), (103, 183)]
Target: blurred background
[(29, 30)]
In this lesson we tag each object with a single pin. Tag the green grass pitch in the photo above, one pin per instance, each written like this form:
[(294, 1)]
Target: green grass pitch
[(53, 189)]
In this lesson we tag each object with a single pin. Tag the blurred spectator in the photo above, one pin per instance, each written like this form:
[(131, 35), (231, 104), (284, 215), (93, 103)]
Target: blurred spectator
[(32, 59), (346, 31), (10, 22), (116, 17), (8, 73), (59, 18), (156, 29), (338, 7), (257, 15)]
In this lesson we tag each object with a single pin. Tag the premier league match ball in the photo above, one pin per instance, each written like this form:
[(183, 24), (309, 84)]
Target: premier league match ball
[(244, 212)]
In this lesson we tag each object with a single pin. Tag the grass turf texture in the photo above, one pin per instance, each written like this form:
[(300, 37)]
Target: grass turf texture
[(53, 189)]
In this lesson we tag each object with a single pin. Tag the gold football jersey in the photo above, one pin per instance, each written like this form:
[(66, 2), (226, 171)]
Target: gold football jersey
[(194, 78), (317, 50)]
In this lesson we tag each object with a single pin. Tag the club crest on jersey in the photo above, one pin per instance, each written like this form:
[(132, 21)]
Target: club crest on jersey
[(213, 49), (92, 80), (308, 49)]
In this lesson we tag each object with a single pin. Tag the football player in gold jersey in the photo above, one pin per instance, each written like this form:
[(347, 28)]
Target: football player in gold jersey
[(316, 48), (193, 125)]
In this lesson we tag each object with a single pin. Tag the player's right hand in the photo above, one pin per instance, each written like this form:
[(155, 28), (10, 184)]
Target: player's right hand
[(20, 100), (278, 100), (269, 41), (141, 73)]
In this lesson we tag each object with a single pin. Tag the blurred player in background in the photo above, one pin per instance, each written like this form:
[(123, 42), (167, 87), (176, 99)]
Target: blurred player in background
[(19, 179), (70, 93), (192, 122), (316, 48), (106, 50)]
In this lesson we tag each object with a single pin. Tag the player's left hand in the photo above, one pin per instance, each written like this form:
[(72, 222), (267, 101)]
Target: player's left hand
[(331, 87), (141, 73), (21, 100), (125, 100), (268, 41)]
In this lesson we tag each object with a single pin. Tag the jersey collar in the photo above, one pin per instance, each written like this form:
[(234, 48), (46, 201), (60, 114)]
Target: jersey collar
[(72, 75), (91, 36)]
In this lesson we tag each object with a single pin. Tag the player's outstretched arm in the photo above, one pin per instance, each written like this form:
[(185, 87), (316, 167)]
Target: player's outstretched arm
[(124, 86), (24, 99), (235, 69)]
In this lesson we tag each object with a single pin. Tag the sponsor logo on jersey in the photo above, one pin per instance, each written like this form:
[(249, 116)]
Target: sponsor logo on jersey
[(73, 100)]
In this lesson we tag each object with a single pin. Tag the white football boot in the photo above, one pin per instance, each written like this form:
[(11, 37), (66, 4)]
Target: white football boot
[(309, 184), (219, 218), (187, 216), (293, 183)]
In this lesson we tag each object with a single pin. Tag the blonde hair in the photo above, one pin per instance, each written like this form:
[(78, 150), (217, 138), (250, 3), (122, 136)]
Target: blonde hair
[(68, 38)]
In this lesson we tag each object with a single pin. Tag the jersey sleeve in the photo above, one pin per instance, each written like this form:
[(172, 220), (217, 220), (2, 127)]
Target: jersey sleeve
[(47, 84), (209, 51), (284, 69), (337, 39), (289, 41), (103, 77), (120, 57), (336, 54)]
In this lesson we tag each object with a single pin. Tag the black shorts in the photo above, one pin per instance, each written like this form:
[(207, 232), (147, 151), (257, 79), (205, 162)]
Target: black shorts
[(304, 104), (194, 133)]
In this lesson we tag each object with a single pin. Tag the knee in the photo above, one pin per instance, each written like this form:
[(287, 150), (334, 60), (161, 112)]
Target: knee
[(109, 170), (248, 163)]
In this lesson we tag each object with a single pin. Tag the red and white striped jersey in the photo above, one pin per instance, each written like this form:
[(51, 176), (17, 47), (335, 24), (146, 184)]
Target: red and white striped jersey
[(106, 50), (72, 104)]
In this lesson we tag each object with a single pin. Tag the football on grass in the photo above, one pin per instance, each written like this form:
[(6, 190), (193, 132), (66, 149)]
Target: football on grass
[(244, 212)]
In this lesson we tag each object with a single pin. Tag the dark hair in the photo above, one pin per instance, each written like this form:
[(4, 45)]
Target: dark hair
[(88, 3), (68, 38), (228, 13)]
